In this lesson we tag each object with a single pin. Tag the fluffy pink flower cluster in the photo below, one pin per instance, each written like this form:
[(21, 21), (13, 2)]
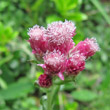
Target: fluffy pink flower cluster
[(55, 46)]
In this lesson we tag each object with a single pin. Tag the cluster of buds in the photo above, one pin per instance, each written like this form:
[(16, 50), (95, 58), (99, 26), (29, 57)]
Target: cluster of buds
[(56, 48)]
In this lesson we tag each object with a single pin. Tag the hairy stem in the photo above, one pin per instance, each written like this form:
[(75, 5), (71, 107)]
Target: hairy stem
[(51, 96), (60, 82)]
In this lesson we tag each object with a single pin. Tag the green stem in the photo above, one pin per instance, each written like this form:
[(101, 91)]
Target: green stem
[(53, 91), (49, 106), (60, 82), (51, 96)]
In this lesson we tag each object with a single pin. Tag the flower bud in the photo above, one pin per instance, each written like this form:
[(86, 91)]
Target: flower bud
[(45, 81)]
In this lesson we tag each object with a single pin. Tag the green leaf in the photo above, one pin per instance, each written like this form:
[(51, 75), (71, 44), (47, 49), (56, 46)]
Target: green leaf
[(1, 30), (38, 73), (98, 5), (3, 83), (84, 95), (6, 34), (16, 90), (33, 61), (3, 5), (52, 18), (76, 16), (65, 5), (36, 5), (3, 49), (71, 106), (106, 80), (68, 86), (43, 101), (6, 59)]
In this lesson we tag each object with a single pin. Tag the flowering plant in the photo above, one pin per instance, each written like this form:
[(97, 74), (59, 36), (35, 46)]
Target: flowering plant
[(62, 60)]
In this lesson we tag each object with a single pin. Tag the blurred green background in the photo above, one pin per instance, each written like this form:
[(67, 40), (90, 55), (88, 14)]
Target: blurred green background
[(17, 75)]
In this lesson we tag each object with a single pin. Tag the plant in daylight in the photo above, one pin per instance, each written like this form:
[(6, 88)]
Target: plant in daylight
[(62, 59)]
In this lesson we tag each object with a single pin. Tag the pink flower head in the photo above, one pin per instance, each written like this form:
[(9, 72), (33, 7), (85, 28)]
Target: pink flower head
[(75, 64), (37, 40), (54, 64), (56, 47), (59, 35), (87, 47), (45, 81)]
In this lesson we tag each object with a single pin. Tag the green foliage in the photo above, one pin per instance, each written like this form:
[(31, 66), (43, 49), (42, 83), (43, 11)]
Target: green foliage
[(6, 34), (84, 95), (64, 6), (16, 90), (71, 106), (67, 9), (102, 11), (18, 70)]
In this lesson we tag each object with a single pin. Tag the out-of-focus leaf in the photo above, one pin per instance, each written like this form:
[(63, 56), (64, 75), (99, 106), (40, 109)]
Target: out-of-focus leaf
[(3, 5), (3, 49), (104, 57), (43, 101), (1, 29), (33, 61), (52, 18), (36, 5), (78, 37), (84, 95), (28, 103), (76, 16), (6, 34), (101, 10), (3, 84), (65, 5), (4, 60), (68, 86), (16, 90), (38, 74), (88, 81), (71, 106), (14, 64), (106, 80)]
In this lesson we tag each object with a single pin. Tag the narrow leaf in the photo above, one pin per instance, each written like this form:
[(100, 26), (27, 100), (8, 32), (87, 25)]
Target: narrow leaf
[(98, 5)]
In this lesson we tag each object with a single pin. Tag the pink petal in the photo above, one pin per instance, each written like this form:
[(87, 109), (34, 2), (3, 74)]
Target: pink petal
[(42, 65), (60, 75), (33, 51)]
